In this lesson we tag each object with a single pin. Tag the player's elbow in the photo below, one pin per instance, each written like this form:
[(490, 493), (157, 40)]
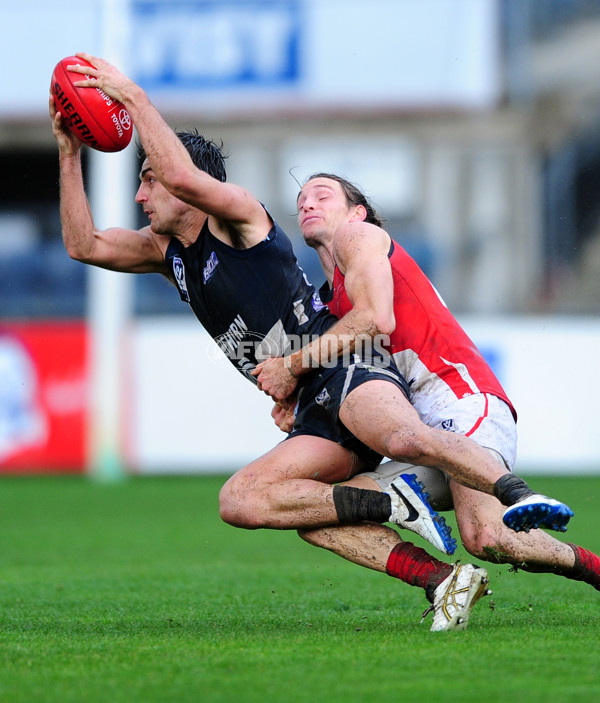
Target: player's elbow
[(80, 244), (372, 320), (74, 254), (77, 252), (384, 323)]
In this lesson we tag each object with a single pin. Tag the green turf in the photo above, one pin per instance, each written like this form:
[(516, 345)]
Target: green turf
[(136, 592)]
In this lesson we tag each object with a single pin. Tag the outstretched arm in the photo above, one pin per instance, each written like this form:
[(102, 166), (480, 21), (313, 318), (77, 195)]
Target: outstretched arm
[(171, 163), (117, 249), (361, 252)]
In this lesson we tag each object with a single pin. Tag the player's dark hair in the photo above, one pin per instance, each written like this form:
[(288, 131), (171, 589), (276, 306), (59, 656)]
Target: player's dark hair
[(207, 155), (354, 196)]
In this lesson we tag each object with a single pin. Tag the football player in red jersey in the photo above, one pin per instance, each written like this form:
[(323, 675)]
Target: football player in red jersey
[(372, 279)]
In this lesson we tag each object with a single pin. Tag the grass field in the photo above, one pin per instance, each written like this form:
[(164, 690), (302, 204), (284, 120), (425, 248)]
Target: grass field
[(136, 592)]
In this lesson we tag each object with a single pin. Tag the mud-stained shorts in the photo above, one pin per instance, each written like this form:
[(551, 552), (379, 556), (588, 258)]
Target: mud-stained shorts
[(484, 418), (323, 392)]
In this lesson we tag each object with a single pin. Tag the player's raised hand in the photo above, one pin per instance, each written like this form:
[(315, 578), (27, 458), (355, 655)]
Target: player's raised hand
[(102, 74), (68, 143)]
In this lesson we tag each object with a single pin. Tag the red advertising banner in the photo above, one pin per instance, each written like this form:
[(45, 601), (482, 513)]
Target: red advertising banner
[(44, 397)]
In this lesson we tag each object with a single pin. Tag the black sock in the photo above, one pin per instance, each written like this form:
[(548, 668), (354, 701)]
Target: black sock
[(359, 504), (509, 489)]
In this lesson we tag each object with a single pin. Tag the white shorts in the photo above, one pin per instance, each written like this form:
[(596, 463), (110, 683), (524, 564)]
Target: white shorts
[(485, 418)]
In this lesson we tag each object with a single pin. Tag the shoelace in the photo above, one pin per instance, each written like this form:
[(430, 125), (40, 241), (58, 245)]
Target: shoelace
[(426, 612)]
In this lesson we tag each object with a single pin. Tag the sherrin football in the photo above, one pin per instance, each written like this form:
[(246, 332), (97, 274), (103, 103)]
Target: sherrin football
[(97, 119)]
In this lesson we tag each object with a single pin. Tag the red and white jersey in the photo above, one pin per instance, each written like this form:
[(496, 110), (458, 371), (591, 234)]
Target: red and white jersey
[(437, 358)]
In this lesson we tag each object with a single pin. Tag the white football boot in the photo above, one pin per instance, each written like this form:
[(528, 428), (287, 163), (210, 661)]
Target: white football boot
[(456, 596), (411, 511)]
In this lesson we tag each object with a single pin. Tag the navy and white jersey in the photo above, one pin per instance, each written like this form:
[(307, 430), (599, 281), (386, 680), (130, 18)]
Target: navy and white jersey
[(255, 303)]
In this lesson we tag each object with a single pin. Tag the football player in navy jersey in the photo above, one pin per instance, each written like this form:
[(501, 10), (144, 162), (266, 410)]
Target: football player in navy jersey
[(217, 243)]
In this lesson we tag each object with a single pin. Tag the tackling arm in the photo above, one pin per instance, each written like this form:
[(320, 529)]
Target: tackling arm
[(361, 253)]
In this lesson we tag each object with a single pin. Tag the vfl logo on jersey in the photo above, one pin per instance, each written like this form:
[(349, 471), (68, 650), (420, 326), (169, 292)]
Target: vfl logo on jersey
[(317, 303), (300, 312), (448, 425), (179, 273), (211, 265), (323, 398)]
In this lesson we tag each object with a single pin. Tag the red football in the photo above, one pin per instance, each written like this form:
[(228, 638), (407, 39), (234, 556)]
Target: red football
[(97, 119)]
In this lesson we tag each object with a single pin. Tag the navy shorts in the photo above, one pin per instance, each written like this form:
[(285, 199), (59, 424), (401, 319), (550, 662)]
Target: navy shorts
[(322, 393)]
